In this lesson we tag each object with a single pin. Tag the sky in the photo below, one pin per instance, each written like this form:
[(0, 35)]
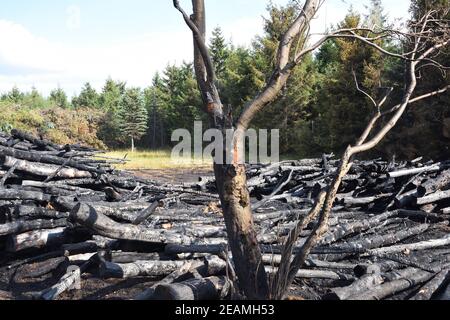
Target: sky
[(64, 43)]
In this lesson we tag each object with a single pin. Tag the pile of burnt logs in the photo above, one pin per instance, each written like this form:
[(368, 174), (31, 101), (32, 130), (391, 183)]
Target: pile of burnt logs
[(68, 219)]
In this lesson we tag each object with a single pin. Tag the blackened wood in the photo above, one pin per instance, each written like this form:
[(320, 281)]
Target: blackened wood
[(148, 294), (434, 197), (410, 278), (128, 257), (70, 280), (7, 175), (145, 214), (423, 245), (428, 290), (357, 226), (315, 274), (39, 269), (421, 215), (192, 289), (363, 284), (24, 226), (11, 194), (43, 169), (35, 239), (139, 269), (374, 241), (433, 185), (41, 143), (211, 249), (102, 225), (38, 212)]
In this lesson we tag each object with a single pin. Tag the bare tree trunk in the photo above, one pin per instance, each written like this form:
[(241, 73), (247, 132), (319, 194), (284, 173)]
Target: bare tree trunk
[(235, 199), (132, 144), (230, 178)]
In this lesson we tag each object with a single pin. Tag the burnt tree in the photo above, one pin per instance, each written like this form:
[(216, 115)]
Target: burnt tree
[(428, 35)]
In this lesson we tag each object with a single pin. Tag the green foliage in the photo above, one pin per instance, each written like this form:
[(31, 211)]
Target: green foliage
[(179, 97), (133, 115), (426, 126), (59, 125), (319, 111), (59, 98), (219, 51), (342, 111), (88, 98), (109, 101)]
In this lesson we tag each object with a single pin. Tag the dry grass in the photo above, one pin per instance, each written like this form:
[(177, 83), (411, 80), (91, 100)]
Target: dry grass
[(147, 160)]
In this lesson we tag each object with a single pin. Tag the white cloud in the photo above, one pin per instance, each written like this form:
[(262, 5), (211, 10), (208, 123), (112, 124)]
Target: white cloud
[(73, 21), (46, 64)]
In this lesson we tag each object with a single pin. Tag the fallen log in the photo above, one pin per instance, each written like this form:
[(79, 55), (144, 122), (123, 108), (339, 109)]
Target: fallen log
[(35, 239), (354, 227), (434, 185), (432, 198), (423, 245), (410, 172), (427, 291), (145, 214), (375, 241), (41, 143), (25, 212), (71, 280), (24, 226), (315, 274), (210, 266), (43, 169), (139, 269), (12, 194), (363, 284), (409, 279), (129, 257), (192, 289), (104, 226), (185, 269)]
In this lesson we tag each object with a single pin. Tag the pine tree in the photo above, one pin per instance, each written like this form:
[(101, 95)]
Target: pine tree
[(110, 101), (219, 51), (34, 99), (15, 95), (342, 111), (88, 98), (59, 98), (133, 116)]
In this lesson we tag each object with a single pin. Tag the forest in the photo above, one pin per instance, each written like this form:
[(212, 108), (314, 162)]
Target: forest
[(320, 110)]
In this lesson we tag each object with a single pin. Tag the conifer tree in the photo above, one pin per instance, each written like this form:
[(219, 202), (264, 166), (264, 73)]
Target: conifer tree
[(219, 51), (133, 116), (110, 102), (88, 98), (59, 98)]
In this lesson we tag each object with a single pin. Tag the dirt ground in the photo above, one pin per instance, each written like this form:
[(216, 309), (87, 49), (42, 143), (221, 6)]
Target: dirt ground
[(174, 176)]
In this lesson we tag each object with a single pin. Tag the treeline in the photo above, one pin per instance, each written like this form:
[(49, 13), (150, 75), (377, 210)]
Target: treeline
[(320, 110)]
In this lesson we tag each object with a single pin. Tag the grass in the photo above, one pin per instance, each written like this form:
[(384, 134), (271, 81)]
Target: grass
[(148, 160), (161, 159)]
